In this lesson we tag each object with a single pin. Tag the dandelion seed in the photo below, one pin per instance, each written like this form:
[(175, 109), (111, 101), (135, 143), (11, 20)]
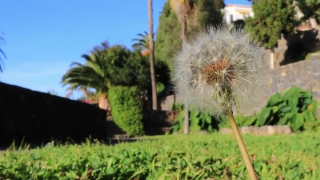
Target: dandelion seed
[(220, 69)]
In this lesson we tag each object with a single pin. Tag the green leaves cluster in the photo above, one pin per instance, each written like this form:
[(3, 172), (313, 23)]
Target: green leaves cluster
[(271, 19), (126, 110), (294, 107), (198, 120), (309, 8), (168, 157), (108, 66)]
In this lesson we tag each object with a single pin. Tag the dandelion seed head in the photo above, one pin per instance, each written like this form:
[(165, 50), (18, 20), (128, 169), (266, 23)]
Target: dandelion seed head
[(220, 69)]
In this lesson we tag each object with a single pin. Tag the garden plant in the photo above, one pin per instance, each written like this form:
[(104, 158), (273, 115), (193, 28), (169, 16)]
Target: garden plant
[(220, 70)]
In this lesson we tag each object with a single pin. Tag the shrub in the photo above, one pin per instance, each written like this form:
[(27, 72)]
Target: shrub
[(294, 107), (126, 110), (198, 120)]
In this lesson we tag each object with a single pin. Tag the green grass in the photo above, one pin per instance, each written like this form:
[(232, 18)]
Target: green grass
[(169, 157)]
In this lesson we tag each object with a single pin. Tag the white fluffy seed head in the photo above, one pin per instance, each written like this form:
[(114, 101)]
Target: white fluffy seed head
[(220, 69)]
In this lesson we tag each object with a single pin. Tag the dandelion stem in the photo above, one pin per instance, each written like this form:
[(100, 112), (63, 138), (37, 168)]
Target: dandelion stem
[(242, 147)]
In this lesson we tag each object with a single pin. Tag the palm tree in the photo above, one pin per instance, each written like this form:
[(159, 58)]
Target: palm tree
[(182, 9), (92, 74), (105, 67), (151, 48), (1, 52), (142, 43)]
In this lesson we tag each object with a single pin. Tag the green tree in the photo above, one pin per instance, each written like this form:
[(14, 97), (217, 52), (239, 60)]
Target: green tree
[(101, 71), (271, 19), (181, 19), (311, 10), (199, 14)]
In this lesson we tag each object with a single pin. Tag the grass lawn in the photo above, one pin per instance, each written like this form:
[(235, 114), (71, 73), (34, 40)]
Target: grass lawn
[(212, 156)]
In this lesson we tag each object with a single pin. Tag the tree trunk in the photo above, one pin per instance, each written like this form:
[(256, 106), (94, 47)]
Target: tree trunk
[(151, 48), (186, 107), (272, 59), (104, 103)]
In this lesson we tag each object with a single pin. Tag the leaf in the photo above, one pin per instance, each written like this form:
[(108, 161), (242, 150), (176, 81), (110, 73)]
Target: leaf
[(180, 116), (308, 116), (291, 92), (208, 118), (297, 121), (194, 114), (274, 99), (285, 108), (250, 121), (263, 116), (110, 170), (283, 120)]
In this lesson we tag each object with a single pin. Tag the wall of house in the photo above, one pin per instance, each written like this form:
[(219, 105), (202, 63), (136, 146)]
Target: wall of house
[(39, 117), (236, 12)]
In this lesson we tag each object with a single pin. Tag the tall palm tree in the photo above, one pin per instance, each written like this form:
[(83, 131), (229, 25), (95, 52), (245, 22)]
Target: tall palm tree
[(142, 43), (182, 9), (1, 52), (151, 48), (92, 74)]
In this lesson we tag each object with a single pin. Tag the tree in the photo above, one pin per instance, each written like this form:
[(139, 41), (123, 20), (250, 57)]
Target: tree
[(101, 71), (200, 15), (310, 10), (151, 49), (187, 13), (180, 20), (1, 53), (182, 8), (142, 43), (271, 19)]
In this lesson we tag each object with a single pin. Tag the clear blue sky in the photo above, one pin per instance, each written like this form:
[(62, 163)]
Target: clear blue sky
[(43, 37)]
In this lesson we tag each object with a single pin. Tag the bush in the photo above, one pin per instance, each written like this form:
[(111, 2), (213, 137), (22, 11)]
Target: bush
[(294, 107), (126, 110), (198, 120)]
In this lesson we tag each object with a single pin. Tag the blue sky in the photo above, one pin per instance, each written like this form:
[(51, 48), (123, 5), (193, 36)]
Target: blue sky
[(43, 37)]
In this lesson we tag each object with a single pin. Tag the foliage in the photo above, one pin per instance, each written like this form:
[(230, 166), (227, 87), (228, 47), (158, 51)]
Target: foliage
[(168, 40), (168, 157), (294, 107), (309, 8), (102, 68), (198, 120), (271, 19), (126, 110), (142, 43)]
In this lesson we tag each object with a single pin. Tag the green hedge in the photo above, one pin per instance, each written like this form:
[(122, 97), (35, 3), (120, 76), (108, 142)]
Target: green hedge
[(126, 110)]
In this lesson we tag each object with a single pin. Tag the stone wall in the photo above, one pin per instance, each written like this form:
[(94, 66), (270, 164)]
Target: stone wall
[(304, 74), (39, 117)]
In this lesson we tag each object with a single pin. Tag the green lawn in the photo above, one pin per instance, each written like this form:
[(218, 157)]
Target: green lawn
[(214, 156)]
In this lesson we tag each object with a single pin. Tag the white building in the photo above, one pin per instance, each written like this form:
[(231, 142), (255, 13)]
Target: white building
[(233, 12)]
